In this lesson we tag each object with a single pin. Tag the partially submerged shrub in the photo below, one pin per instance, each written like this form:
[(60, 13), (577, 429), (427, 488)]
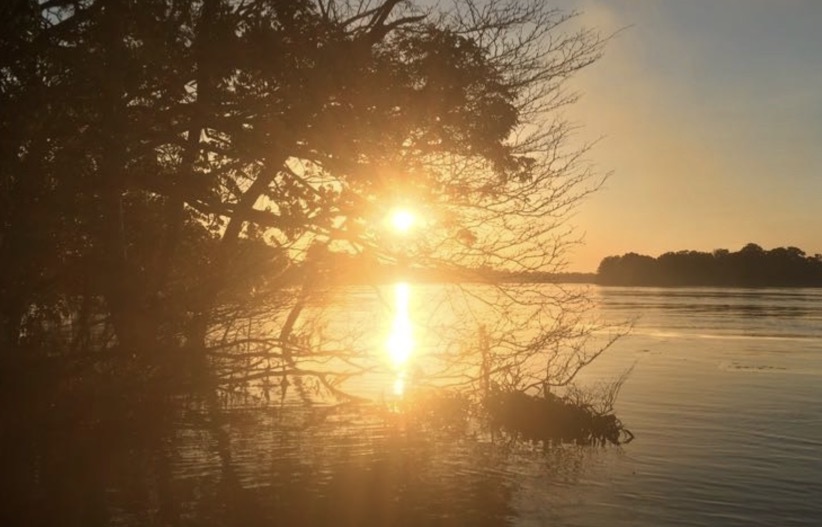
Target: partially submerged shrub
[(551, 418), (584, 417)]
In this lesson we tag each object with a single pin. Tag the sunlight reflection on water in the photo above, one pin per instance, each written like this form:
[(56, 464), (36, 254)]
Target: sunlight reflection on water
[(727, 428), (401, 338)]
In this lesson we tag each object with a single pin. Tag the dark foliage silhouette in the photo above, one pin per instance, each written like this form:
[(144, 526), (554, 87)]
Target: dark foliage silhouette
[(751, 266), (179, 177)]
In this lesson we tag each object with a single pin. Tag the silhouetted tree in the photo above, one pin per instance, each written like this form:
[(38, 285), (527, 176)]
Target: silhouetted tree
[(751, 266), (178, 180), (151, 139)]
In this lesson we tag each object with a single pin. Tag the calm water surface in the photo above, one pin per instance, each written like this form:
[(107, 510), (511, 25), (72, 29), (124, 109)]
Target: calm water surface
[(726, 402), (724, 398)]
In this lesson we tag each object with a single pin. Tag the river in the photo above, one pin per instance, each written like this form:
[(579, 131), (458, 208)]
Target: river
[(724, 399)]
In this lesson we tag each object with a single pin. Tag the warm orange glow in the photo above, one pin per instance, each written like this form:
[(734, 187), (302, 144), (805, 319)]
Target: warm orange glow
[(401, 339), (399, 385), (402, 220)]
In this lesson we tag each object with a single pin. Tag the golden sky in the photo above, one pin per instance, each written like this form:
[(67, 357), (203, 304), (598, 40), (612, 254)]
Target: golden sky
[(711, 119)]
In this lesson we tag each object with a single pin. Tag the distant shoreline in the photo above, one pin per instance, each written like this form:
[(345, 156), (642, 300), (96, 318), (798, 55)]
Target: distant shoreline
[(750, 267), (561, 278)]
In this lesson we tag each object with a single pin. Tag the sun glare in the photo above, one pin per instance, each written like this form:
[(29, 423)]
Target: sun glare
[(402, 220)]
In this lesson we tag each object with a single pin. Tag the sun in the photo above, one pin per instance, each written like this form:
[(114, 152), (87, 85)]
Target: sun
[(402, 220)]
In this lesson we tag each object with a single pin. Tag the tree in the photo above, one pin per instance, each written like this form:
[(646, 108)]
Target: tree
[(163, 140), (751, 266), (179, 181)]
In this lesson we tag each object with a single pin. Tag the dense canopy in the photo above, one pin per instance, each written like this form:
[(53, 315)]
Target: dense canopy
[(169, 166)]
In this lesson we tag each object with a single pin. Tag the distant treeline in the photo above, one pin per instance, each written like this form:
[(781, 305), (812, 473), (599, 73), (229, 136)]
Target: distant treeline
[(752, 266), (346, 269)]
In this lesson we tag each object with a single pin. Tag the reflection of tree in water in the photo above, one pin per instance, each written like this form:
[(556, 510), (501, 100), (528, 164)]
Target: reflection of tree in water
[(287, 469), (364, 473), (165, 463), (86, 459)]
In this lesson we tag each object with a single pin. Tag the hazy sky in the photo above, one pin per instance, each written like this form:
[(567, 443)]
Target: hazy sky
[(711, 113)]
